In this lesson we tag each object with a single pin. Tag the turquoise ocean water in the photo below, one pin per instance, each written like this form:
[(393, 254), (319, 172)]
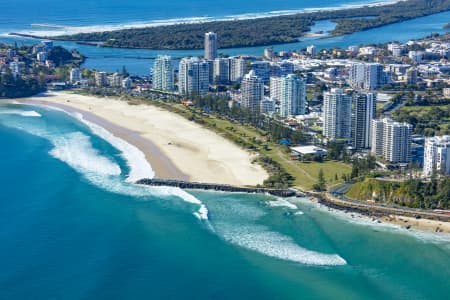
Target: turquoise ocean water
[(73, 227)]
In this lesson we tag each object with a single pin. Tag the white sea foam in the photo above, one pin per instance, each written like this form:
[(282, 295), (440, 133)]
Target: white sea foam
[(239, 223), (139, 166), (50, 30), (282, 203), (21, 113), (262, 240), (299, 213), (76, 149), (202, 212)]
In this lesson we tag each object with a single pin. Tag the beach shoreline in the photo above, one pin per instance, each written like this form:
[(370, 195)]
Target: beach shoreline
[(52, 31), (175, 147), (166, 168)]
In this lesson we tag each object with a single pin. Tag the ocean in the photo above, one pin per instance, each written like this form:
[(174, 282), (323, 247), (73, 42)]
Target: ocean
[(53, 17), (74, 226)]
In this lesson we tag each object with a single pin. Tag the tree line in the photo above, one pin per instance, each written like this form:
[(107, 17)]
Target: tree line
[(262, 31)]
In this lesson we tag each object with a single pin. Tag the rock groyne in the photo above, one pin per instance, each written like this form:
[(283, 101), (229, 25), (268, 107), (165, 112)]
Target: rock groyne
[(220, 187)]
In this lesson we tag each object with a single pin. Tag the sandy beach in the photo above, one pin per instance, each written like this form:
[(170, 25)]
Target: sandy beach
[(175, 147), (417, 224)]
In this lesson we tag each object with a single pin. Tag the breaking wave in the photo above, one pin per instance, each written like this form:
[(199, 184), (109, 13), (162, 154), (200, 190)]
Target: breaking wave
[(75, 148), (270, 243), (23, 113)]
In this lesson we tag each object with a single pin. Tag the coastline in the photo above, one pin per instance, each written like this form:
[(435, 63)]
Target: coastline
[(165, 168), (70, 30), (408, 219), (175, 147)]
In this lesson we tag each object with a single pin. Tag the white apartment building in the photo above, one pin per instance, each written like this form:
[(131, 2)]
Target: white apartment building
[(126, 83), (75, 75), (290, 92), (252, 89), (391, 140), (193, 76), (221, 71), (237, 69), (364, 110), (337, 114), (437, 155), (163, 74), (101, 79), (115, 80), (210, 45), (367, 76)]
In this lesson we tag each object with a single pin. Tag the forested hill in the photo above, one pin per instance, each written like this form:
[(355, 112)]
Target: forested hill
[(411, 193), (263, 31)]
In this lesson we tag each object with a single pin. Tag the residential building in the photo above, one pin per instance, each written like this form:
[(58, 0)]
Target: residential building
[(101, 79), (75, 75), (411, 76), (446, 92), (311, 50), (163, 74), (367, 76), (364, 110), (261, 69), (222, 71), (193, 76), (126, 83), (252, 89), (391, 140), (210, 45), (290, 92), (437, 155), (416, 56), (268, 106), (237, 69), (337, 114), (268, 53), (115, 80), (41, 57)]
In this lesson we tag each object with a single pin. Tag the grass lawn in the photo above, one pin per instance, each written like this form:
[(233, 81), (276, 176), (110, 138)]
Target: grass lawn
[(305, 173)]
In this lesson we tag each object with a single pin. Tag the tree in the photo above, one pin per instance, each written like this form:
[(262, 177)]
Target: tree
[(321, 184)]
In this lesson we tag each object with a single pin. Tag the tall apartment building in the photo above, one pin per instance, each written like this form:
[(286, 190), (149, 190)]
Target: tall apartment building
[(290, 91), (193, 76), (364, 110), (115, 80), (210, 45), (101, 79), (391, 140), (252, 89), (163, 74), (262, 69), (437, 155), (222, 71), (75, 75), (337, 114), (367, 76), (311, 50), (237, 69)]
